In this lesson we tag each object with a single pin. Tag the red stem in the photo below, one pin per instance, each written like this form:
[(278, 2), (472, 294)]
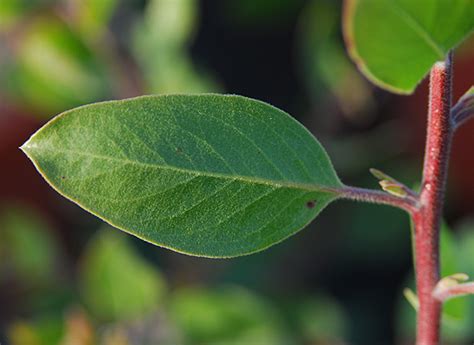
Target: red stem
[(427, 218)]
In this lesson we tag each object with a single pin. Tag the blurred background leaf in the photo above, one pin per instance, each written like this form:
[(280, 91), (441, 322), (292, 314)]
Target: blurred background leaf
[(52, 69), (13, 11), (458, 313), (27, 247), (325, 61), (161, 43), (116, 283), (58, 54), (44, 330), (226, 316), (320, 319), (92, 17)]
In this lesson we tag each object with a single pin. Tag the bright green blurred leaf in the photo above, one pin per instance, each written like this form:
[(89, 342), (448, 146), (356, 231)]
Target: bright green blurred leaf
[(321, 320), (27, 246), (455, 311), (325, 62), (45, 330), (12, 11), (172, 71), (208, 175), (448, 252), (116, 283), (171, 23), (229, 316), (22, 333), (161, 43), (466, 248), (92, 16), (54, 70), (395, 42)]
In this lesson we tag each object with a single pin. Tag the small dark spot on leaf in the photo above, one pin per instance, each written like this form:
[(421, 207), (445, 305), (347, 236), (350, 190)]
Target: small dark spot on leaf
[(179, 150), (311, 204), (63, 177)]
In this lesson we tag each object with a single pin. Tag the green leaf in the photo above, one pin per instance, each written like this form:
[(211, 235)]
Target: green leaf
[(225, 316), (325, 65), (43, 330), (466, 248), (171, 22), (27, 246), (116, 283), (456, 320), (454, 311), (320, 320), (13, 11), (207, 175), (54, 69), (395, 42), (92, 16), (160, 45)]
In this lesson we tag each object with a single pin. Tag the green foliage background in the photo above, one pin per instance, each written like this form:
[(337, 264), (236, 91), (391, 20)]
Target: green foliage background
[(65, 278)]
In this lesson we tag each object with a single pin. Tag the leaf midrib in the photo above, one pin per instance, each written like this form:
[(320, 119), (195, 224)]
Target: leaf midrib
[(418, 28), (27, 147)]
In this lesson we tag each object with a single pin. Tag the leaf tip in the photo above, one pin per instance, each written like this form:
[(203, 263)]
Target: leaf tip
[(26, 147), (379, 174)]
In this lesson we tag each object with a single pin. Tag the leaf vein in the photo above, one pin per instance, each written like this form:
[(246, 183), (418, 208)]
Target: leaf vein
[(247, 179), (418, 28)]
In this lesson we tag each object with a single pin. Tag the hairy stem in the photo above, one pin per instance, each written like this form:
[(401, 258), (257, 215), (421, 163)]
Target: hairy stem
[(427, 218), (408, 203), (426, 208)]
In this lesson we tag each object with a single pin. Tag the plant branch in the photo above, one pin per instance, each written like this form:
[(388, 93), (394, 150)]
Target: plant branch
[(408, 203), (464, 109), (454, 291), (427, 218)]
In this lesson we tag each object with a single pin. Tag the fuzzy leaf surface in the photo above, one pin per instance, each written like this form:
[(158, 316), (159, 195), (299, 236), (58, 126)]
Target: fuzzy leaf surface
[(207, 175)]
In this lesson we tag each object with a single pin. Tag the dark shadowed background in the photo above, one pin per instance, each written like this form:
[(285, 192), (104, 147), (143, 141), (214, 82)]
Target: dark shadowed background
[(68, 279)]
